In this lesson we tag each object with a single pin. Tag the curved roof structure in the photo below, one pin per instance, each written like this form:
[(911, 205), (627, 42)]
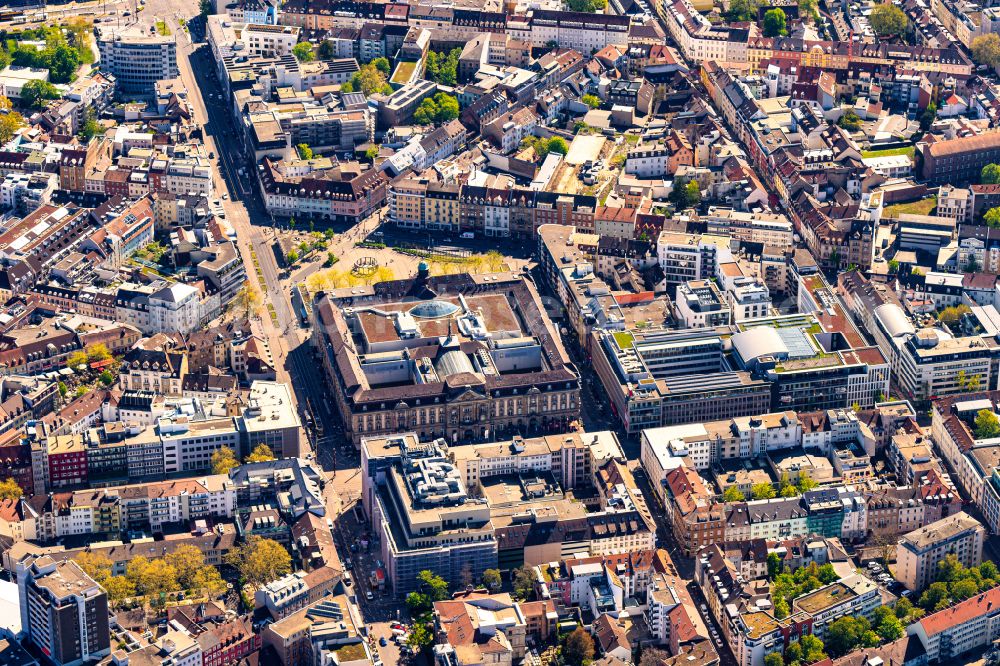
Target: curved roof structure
[(453, 362), (894, 320), (433, 309), (757, 342)]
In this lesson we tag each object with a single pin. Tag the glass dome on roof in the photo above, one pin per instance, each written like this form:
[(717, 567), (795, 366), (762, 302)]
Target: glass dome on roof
[(433, 309)]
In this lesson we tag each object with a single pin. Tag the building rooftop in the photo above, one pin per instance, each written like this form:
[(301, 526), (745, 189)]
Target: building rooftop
[(939, 531), (825, 597)]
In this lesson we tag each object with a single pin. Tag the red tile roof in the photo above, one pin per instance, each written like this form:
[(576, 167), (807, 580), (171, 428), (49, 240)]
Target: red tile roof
[(962, 612)]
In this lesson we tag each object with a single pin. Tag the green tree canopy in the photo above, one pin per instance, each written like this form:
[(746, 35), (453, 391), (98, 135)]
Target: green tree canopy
[(593, 101), (420, 638), (439, 109), (224, 460), (433, 585), (685, 195), (589, 6), (887, 625), (990, 174), (303, 51), (35, 93), (262, 453), (744, 10), (260, 561), (763, 491), (9, 490), (992, 217), (578, 648), (557, 144), (845, 634), (850, 121), (775, 23), (368, 80), (523, 582), (888, 19), (732, 494), (492, 580), (986, 49), (10, 123), (442, 67), (418, 603), (987, 425), (327, 50), (774, 565), (950, 315)]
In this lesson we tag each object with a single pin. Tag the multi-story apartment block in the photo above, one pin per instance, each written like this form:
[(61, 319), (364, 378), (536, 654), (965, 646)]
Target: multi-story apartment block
[(918, 553), (63, 611), (959, 160), (342, 193), (853, 596), (686, 257)]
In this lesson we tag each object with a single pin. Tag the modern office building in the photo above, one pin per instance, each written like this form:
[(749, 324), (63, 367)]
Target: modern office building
[(422, 511), (699, 304), (137, 59), (461, 509)]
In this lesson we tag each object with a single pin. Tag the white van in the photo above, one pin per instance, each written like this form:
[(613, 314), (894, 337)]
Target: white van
[(468, 235)]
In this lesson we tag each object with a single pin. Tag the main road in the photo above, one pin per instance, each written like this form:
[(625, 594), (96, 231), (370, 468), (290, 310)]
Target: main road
[(245, 211)]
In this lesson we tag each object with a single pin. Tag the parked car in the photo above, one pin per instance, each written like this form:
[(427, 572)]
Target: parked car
[(382, 641)]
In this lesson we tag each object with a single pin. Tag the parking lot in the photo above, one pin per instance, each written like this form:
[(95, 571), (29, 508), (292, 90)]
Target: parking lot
[(390, 653)]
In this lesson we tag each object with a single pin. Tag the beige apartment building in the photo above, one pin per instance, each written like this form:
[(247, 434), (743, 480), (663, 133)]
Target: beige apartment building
[(918, 552)]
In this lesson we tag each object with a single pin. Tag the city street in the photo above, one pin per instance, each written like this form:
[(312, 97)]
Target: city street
[(245, 211)]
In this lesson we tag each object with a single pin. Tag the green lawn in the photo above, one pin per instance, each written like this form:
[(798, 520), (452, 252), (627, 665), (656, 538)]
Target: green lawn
[(404, 71), (623, 339), (351, 652), (889, 152), (921, 207)]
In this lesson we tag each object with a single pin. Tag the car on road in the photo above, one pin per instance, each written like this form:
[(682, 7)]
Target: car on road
[(369, 596), (382, 641)]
